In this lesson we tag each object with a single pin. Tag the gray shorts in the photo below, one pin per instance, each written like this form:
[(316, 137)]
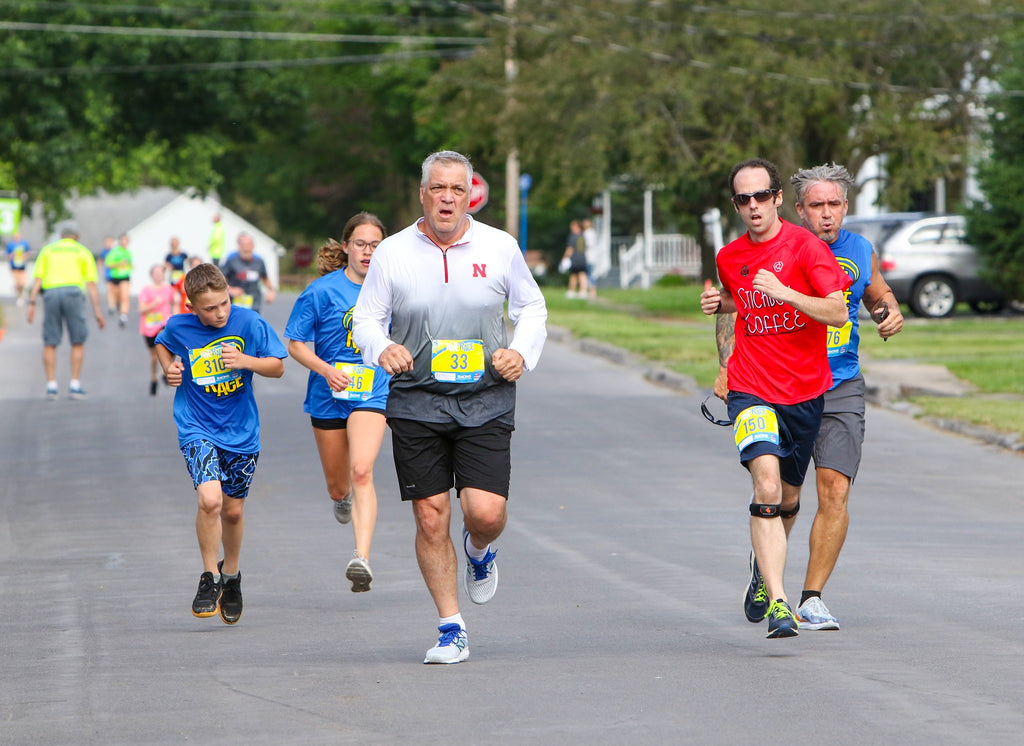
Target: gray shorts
[(841, 436), (64, 305)]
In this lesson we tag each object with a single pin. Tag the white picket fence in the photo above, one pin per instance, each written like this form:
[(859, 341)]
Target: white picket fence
[(665, 253)]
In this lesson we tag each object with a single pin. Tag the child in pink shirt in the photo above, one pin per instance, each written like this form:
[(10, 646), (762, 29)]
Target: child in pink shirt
[(155, 302)]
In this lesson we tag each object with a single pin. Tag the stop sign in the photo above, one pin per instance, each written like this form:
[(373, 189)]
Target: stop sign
[(303, 256), (478, 192)]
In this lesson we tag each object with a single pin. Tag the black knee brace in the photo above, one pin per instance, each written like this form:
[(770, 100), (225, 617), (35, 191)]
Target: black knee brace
[(759, 510), (790, 513)]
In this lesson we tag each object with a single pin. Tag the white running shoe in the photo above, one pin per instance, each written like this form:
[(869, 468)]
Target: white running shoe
[(358, 571), (481, 577), (814, 615), (343, 509), (452, 646)]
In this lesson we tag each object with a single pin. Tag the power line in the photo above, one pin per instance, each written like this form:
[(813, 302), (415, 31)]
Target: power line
[(70, 28), (353, 59), (276, 12)]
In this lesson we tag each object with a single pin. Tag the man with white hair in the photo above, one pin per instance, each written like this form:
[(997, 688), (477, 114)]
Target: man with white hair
[(432, 314)]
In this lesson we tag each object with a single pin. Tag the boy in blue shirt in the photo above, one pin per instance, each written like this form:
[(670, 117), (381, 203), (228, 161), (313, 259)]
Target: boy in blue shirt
[(220, 348)]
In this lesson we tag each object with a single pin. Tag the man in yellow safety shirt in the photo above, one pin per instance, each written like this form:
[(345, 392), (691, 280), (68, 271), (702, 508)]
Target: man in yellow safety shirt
[(63, 271)]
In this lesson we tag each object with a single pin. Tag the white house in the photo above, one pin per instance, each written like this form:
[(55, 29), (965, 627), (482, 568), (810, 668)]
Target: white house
[(150, 217)]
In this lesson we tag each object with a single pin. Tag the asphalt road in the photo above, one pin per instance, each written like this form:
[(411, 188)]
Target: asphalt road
[(617, 619)]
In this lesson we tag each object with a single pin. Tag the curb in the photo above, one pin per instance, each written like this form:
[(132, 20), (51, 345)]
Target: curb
[(884, 390), (655, 374)]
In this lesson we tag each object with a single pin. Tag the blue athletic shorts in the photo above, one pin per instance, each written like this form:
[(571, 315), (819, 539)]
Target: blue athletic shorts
[(798, 429), (208, 463)]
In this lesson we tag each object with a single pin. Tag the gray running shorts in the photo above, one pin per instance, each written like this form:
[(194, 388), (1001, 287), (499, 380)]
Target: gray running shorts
[(841, 435), (64, 305)]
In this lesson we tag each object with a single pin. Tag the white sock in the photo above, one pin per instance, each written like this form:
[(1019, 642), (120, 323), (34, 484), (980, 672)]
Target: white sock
[(472, 552), (75, 383), (456, 619)]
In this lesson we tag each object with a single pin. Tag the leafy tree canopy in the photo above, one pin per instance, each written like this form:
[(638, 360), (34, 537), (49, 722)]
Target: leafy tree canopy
[(996, 224)]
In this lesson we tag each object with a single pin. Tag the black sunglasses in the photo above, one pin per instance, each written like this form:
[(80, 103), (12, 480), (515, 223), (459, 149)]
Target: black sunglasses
[(762, 196), (710, 417)]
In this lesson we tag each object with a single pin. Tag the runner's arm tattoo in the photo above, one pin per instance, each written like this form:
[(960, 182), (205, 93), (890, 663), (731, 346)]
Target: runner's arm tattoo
[(725, 337)]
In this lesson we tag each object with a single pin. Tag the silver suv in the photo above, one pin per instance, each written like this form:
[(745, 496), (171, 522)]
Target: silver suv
[(927, 262)]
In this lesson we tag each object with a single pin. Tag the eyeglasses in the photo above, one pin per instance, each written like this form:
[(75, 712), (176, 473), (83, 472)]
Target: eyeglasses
[(762, 196), (710, 417), (361, 244)]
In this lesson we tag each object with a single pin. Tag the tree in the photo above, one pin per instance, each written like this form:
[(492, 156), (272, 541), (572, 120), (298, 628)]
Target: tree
[(996, 225), (89, 103), (674, 94)]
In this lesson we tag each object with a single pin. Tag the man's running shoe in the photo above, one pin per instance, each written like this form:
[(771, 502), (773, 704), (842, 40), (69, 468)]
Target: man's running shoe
[(452, 646), (814, 615), (358, 571), (781, 622), (207, 597), (755, 598), (481, 576), (230, 596), (76, 392), (51, 392), (343, 509)]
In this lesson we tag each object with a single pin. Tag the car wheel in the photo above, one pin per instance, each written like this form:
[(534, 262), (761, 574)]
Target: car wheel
[(933, 296)]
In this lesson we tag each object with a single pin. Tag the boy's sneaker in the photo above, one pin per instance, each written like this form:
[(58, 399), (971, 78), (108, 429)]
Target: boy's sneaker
[(76, 392), (755, 598), (343, 509), (358, 571), (781, 622), (481, 577), (230, 596), (207, 597), (814, 615), (452, 646), (51, 392)]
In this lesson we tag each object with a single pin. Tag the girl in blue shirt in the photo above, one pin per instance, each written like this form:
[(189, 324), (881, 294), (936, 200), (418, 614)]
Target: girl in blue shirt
[(345, 399)]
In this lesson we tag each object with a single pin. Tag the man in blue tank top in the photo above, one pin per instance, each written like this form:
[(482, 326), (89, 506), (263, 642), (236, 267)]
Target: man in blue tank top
[(821, 201)]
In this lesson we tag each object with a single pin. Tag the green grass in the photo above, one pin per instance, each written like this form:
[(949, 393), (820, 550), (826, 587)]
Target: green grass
[(664, 325)]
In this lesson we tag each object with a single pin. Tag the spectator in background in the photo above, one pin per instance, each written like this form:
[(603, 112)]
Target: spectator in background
[(119, 273), (155, 307), (181, 305), (112, 300), (576, 254), (175, 260), (17, 255), (64, 271), (590, 249), (215, 247), (246, 274)]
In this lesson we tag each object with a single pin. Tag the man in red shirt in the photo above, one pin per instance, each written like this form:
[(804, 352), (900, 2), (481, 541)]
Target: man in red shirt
[(785, 287)]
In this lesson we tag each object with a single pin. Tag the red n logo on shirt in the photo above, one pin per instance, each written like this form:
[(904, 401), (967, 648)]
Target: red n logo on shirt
[(479, 270)]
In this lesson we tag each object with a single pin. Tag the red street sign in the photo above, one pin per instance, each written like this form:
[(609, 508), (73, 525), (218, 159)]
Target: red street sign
[(478, 192), (303, 256)]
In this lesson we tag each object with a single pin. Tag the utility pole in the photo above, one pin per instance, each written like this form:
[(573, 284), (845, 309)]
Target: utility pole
[(512, 159)]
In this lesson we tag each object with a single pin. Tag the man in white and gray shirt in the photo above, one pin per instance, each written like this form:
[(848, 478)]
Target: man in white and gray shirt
[(432, 314)]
